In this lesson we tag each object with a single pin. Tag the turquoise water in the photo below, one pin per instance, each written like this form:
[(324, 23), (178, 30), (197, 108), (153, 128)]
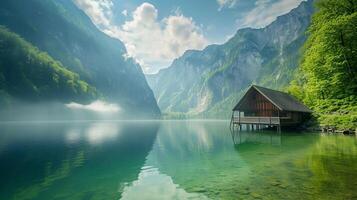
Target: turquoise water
[(172, 160)]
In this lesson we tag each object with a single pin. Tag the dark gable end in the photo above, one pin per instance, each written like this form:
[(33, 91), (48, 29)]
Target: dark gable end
[(283, 101)]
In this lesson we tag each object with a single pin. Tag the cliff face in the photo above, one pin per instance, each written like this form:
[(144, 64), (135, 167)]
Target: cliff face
[(210, 81)]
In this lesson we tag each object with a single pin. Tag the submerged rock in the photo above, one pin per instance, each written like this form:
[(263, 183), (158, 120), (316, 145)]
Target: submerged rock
[(200, 190), (255, 195), (275, 183), (244, 192), (284, 186)]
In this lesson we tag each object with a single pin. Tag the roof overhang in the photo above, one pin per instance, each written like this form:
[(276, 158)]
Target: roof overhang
[(252, 87), (267, 95)]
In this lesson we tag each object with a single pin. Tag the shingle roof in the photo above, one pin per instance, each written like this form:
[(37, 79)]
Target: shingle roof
[(284, 101)]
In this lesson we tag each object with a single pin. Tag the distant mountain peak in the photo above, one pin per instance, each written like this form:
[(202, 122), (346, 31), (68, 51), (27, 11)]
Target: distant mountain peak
[(210, 81)]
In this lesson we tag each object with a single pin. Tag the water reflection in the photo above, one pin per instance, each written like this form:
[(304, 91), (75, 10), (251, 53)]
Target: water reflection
[(198, 156), (72, 160), (179, 144), (98, 133), (172, 160), (94, 133), (175, 136), (151, 184), (260, 137), (73, 135), (259, 165), (51, 175), (332, 160)]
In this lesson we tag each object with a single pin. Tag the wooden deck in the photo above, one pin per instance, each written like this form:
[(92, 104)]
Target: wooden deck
[(256, 120)]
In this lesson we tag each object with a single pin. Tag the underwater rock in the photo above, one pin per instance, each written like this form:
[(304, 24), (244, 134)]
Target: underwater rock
[(255, 195), (275, 183), (200, 190), (284, 186), (244, 192)]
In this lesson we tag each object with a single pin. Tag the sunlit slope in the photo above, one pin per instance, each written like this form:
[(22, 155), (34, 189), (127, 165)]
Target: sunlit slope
[(32, 75)]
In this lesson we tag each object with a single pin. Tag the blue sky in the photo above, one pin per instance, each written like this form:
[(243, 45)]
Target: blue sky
[(155, 32)]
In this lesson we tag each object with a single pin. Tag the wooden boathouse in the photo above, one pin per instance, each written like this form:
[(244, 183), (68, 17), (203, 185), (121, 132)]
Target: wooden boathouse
[(262, 107)]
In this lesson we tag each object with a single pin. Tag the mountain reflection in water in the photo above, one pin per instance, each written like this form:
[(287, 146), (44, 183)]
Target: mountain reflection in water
[(171, 160)]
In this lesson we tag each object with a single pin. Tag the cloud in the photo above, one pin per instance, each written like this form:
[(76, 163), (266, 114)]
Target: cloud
[(226, 3), (100, 11), (266, 11), (125, 13), (96, 106), (155, 43), (152, 42)]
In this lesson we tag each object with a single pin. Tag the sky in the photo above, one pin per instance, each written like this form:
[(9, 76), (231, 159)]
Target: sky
[(155, 32)]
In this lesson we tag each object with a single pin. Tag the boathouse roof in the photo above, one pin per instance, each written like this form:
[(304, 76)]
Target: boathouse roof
[(283, 101)]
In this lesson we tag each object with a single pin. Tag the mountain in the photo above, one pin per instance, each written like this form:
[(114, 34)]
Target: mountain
[(27, 73), (66, 34), (208, 83)]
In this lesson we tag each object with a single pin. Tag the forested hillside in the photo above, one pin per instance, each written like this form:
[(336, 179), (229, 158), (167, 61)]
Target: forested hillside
[(29, 74), (66, 33), (327, 77)]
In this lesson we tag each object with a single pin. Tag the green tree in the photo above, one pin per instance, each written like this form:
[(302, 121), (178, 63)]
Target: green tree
[(327, 78), (29, 74)]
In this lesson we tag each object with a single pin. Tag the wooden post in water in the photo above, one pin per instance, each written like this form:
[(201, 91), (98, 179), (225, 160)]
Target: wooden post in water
[(239, 124), (231, 125), (279, 128)]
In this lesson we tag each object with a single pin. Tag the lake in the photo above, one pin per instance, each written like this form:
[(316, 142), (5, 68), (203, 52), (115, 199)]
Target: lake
[(171, 160)]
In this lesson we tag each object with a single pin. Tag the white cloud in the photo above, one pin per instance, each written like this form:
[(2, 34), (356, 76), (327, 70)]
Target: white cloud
[(155, 43), (96, 106), (125, 13), (100, 11), (266, 11), (152, 42), (226, 3)]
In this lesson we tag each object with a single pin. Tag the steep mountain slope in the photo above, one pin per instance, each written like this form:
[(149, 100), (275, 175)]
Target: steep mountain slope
[(210, 81), (62, 30), (29, 74)]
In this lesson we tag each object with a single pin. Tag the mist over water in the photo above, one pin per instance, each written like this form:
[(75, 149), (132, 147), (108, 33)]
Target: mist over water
[(96, 106), (56, 111)]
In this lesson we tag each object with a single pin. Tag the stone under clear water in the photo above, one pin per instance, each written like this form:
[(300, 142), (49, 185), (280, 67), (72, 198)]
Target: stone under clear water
[(172, 160)]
